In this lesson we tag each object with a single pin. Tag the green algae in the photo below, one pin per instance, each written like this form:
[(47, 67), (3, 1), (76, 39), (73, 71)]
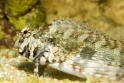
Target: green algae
[(34, 18), (18, 7)]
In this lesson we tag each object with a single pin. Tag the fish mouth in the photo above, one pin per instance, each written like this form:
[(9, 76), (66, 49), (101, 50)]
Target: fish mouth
[(25, 53)]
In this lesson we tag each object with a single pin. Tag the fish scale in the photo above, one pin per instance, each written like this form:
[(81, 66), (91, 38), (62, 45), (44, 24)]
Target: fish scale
[(75, 48)]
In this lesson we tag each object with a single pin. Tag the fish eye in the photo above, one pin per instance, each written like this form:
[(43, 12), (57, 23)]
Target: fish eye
[(25, 32)]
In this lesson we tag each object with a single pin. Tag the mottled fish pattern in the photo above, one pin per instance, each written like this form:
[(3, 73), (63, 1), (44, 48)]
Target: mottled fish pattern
[(75, 48)]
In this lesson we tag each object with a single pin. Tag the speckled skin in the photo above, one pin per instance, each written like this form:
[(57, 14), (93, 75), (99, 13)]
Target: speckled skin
[(75, 48)]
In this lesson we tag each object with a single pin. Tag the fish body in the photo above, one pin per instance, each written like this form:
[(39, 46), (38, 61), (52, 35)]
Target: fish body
[(75, 48)]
